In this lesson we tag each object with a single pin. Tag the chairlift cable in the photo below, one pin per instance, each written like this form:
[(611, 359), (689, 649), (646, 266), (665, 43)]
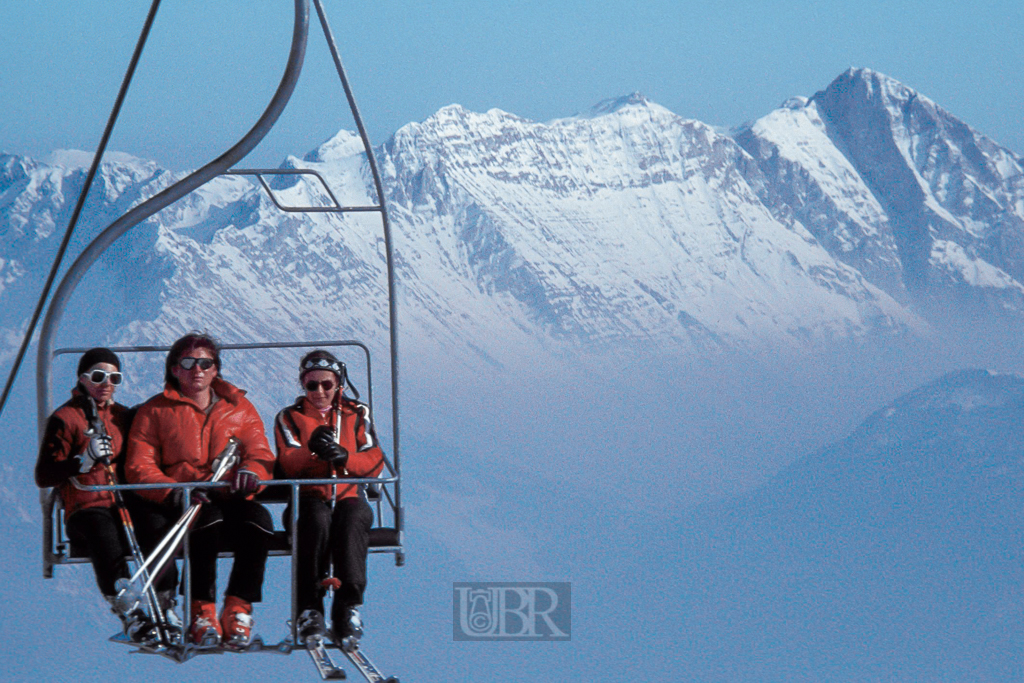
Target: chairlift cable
[(108, 130)]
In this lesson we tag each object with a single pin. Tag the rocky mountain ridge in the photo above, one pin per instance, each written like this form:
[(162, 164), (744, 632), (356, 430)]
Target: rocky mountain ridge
[(863, 210)]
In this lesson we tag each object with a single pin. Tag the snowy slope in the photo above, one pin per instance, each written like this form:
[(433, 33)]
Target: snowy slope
[(628, 223)]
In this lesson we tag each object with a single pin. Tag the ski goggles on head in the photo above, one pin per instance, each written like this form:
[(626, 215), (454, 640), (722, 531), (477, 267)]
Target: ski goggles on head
[(188, 362), (335, 366), (101, 376), (327, 385), (324, 364)]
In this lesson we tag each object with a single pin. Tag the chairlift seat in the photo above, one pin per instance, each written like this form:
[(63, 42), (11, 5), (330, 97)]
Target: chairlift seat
[(63, 550)]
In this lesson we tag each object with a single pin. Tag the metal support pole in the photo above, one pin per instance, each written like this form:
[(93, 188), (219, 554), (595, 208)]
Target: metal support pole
[(389, 249), (186, 572), (293, 516)]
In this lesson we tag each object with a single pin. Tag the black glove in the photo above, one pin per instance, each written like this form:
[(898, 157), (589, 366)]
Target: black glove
[(98, 451), (323, 446), (177, 495), (244, 483)]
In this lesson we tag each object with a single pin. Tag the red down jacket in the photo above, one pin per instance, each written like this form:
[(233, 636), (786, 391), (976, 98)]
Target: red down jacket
[(65, 437), (173, 440), (295, 424)]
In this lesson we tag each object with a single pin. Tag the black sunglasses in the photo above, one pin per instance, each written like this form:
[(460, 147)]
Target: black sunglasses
[(101, 376), (326, 385), (189, 362)]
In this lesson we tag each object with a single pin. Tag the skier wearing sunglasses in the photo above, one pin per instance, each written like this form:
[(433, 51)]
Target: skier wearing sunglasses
[(326, 434), (176, 437), (84, 442)]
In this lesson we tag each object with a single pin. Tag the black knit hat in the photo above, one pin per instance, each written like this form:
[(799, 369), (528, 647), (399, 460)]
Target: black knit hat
[(98, 355)]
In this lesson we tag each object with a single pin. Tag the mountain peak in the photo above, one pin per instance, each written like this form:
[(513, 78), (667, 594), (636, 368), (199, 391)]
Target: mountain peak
[(614, 104), (342, 145), (74, 159), (453, 110), (453, 117), (963, 390), (872, 84), (795, 102)]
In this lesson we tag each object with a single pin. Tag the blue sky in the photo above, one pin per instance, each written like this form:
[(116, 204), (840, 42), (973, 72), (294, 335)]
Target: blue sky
[(209, 68)]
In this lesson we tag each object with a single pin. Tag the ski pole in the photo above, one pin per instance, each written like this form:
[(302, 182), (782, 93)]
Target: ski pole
[(99, 429), (337, 440), (129, 531), (177, 535), (331, 583), (160, 546), (168, 554)]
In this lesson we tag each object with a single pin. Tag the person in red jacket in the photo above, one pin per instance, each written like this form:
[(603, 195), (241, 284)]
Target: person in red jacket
[(84, 442), (323, 435), (175, 437)]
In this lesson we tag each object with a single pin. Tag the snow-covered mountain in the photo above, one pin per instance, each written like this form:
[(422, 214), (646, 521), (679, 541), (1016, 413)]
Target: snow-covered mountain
[(922, 205), (627, 223), (863, 210)]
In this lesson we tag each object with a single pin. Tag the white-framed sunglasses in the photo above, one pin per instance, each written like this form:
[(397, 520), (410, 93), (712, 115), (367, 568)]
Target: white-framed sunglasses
[(101, 376)]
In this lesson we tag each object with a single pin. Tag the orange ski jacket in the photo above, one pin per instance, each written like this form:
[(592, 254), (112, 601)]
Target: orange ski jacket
[(65, 437), (295, 424), (173, 440)]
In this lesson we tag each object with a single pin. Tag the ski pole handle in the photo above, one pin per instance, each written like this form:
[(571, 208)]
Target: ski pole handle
[(227, 459)]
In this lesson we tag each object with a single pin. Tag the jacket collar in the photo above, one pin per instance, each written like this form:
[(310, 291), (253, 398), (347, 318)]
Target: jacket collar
[(81, 398), (222, 388)]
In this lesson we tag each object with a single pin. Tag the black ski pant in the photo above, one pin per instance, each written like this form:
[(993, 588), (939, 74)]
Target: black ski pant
[(100, 534), (245, 528), (340, 536)]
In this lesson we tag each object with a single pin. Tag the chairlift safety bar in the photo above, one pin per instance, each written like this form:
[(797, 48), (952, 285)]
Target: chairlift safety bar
[(340, 481)]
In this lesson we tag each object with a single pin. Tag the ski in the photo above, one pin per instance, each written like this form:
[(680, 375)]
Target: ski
[(368, 669), (324, 664)]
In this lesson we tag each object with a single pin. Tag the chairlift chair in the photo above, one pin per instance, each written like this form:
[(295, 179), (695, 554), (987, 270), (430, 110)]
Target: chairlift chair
[(387, 534)]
